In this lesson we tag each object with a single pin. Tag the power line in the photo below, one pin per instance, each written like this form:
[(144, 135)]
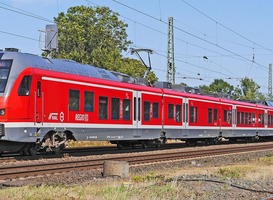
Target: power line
[(188, 33), (218, 23), (21, 36), (22, 12)]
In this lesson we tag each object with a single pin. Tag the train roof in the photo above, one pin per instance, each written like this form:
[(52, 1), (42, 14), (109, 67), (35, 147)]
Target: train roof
[(24, 60)]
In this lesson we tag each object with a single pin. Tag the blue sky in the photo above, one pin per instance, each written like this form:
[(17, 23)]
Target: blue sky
[(236, 35)]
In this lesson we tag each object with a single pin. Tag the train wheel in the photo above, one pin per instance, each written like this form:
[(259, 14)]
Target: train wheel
[(119, 145), (60, 145), (58, 150), (32, 150), (144, 145)]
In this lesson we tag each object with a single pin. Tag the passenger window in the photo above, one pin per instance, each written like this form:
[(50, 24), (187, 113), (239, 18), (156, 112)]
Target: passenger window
[(171, 110), (242, 118), (146, 111), (115, 108), (25, 86), (103, 107), (178, 113), (238, 117), (88, 101), (215, 114), (246, 119), (74, 100), (210, 116), (155, 110), (39, 89), (126, 109), (191, 114)]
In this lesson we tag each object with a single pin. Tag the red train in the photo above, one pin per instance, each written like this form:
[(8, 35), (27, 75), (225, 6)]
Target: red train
[(46, 102)]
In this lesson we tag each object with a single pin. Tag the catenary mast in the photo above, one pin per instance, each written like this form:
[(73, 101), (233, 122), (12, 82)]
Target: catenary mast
[(170, 57)]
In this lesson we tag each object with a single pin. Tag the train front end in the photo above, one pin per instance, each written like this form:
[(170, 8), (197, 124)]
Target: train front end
[(12, 106), (5, 67)]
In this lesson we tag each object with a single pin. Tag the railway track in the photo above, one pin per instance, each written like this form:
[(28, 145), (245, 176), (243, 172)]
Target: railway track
[(85, 151), (29, 170)]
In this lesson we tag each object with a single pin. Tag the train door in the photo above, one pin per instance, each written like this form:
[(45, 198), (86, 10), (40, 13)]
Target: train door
[(137, 114), (233, 117), (38, 103), (185, 113)]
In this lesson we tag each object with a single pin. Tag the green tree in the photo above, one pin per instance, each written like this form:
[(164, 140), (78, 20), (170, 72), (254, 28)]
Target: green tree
[(96, 36), (218, 85), (248, 90), (91, 35)]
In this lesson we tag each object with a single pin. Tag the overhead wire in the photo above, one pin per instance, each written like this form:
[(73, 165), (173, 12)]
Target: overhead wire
[(20, 11), (190, 34), (23, 12), (25, 37), (236, 33)]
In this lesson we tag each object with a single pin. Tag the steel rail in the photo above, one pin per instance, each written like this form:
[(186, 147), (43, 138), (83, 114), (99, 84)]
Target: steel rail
[(18, 171)]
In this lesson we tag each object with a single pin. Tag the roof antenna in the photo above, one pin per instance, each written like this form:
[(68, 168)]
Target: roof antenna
[(149, 51)]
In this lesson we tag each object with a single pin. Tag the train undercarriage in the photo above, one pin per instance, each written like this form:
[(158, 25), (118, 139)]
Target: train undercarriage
[(55, 142)]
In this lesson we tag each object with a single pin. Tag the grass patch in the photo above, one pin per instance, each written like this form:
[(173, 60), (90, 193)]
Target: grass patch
[(234, 171), (78, 144), (93, 191), (149, 177), (267, 159)]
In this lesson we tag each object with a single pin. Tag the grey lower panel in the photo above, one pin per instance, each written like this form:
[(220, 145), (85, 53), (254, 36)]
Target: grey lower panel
[(32, 134), (116, 134), (186, 133)]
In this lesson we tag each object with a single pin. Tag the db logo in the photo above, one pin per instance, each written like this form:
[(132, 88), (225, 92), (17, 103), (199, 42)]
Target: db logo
[(61, 116)]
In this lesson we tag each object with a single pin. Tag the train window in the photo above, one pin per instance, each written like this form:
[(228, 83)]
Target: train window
[(229, 115), (74, 100), (178, 113), (115, 108), (242, 118), (215, 114), (126, 109), (191, 114), (261, 119), (225, 115), (270, 120), (210, 116), (146, 111), (155, 110), (170, 111), (5, 66), (38, 89), (25, 86), (238, 117), (135, 108), (103, 107), (196, 114), (246, 118), (253, 118), (88, 101)]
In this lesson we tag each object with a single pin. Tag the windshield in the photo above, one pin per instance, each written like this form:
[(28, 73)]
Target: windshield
[(5, 66)]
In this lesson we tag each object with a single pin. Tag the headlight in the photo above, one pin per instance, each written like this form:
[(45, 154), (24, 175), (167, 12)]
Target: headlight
[(2, 111)]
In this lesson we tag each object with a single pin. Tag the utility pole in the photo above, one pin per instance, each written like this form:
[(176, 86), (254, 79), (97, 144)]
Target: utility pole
[(170, 57), (270, 82)]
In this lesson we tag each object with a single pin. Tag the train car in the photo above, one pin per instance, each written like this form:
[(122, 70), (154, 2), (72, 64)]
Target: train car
[(45, 102)]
